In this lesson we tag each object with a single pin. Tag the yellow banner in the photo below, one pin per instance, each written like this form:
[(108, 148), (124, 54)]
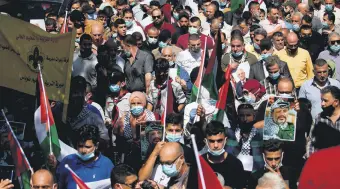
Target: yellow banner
[(23, 46)]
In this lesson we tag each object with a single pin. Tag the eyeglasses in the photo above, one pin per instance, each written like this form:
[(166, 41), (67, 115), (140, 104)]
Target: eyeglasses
[(276, 159), (336, 41), (132, 185), (155, 17), (293, 46), (170, 163)]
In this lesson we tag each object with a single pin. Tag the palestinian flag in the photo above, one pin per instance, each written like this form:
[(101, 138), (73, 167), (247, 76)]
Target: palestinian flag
[(195, 91), (80, 183), (169, 106), (64, 26), (235, 4), (22, 166), (44, 123), (210, 178)]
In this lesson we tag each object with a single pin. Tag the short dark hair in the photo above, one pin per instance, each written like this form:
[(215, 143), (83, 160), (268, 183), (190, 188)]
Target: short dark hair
[(245, 106), (116, 77), (307, 19), (305, 27), (120, 172), (121, 2), (320, 62), (78, 85), (252, 3), (108, 11), (50, 22), (271, 61), (272, 145), (214, 128), (118, 22), (278, 34), (88, 132), (335, 91), (127, 11), (254, 27), (330, 16), (240, 21), (194, 36), (236, 35), (85, 37), (137, 35), (155, 3), (161, 65), (174, 118), (266, 44), (130, 40), (219, 14), (270, 8), (260, 31), (195, 19)]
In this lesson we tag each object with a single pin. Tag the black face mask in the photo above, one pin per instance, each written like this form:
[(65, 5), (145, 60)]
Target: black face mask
[(86, 52), (328, 111), (246, 127), (292, 51), (184, 29), (317, 5)]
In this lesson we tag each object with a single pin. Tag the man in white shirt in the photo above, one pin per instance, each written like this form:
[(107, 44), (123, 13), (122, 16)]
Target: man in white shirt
[(148, 20), (272, 24), (330, 7), (319, 8), (191, 57), (136, 9), (131, 24), (192, 5)]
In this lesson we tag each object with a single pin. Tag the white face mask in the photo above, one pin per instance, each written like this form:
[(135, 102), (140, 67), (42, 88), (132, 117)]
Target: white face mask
[(266, 164)]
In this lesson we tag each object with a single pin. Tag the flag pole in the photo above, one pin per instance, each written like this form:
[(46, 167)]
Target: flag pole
[(16, 140), (165, 108), (199, 166), (201, 74), (46, 108), (65, 21)]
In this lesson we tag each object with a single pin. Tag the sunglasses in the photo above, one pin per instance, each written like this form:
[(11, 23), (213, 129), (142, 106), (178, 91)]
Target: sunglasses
[(293, 46), (336, 41), (156, 17), (276, 159)]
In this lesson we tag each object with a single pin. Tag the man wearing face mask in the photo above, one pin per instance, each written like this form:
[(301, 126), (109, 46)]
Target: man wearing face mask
[(273, 155), (151, 43), (182, 26), (84, 61), (288, 11), (310, 41), (88, 163), (311, 89), (332, 52), (329, 117), (244, 141), (254, 9), (258, 70), (164, 40), (131, 24), (159, 22), (194, 28), (319, 8), (259, 34), (227, 167), (298, 60), (276, 69), (329, 26), (330, 8)]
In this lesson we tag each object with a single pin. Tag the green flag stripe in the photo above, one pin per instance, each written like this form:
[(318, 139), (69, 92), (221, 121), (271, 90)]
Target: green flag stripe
[(45, 145)]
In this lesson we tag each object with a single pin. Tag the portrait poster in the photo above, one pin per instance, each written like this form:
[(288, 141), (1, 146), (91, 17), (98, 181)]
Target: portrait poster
[(280, 119), (17, 127)]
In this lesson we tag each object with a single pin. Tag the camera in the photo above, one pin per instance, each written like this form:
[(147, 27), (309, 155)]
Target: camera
[(147, 185)]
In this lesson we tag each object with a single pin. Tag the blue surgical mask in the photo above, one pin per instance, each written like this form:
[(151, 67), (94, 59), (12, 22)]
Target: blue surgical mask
[(176, 16), (265, 56), (275, 76), (237, 54), (171, 63), (329, 8), (77, 40), (128, 23), (193, 30), (249, 99), (173, 137), (296, 27), (256, 46), (285, 95), (132, 4), (114, 35), (223, 46), (128, 54), (114, 88), (325, 25), (216, 152), (152, 40), (85, 157), (170, 170), (137, 110), (192, 115), (161, 44), (335, 48), (223, 4)]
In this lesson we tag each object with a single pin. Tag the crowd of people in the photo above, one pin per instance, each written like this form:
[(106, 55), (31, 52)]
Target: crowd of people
[(129, 53)]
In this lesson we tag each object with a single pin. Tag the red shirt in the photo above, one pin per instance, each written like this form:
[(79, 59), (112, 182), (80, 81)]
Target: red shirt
[(166, 8), (183, 41), (322, 170), (165, 26)]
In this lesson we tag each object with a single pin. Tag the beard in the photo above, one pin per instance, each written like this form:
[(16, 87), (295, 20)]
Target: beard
[(246, 127)]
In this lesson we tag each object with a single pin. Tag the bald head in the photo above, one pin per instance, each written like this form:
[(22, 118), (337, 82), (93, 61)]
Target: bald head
[(153, 31), (97, 27), (303, 8), (292, 38), (42, 178), (285, 85), (170, 152), (285, 32), (97, 32)]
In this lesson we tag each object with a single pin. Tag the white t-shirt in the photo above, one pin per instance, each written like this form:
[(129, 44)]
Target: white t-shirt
[(135, 28), (188, 61)]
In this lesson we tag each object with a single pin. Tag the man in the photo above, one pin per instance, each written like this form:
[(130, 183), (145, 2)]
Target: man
[(315, 22), (310, 41), (319, 8), (258, 70), (329, 26), (289, 9), (332, 52), (328, 118), (97, 33), (298, 60), (330, 8), (43, 179), (151, 42), (254, 9), (210, 15), (51, 25), (88, 163), (148, 9), (159, 22), (138, 66), (182, 26), (75, 5), (194, 28), (121, 29), (167, 54), (276, 70), (121, 5), (254, 48), (296, 22), (273, 155), (131, 24), (228, 168), (272, 24), (123, 176), (164, 40), (84, 61), (278, 41), (244, 142), (311, 89), (136, 7)]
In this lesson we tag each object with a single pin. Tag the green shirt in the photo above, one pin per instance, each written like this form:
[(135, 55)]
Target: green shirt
[(287, 133)]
